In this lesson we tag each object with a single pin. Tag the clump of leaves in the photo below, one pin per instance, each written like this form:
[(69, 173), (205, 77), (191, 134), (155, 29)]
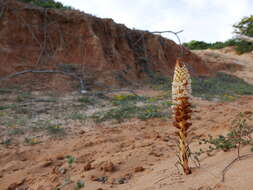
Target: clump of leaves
[(122, 99), (220, 143), (150, 111), (79, 185), (70, 160), (55, 130), (87, 100), (31, 140)]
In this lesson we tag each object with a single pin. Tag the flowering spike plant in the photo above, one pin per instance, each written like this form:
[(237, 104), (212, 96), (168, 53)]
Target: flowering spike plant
[(181, 109)]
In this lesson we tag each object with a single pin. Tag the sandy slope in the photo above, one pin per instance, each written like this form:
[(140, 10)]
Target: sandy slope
[(139, 154)]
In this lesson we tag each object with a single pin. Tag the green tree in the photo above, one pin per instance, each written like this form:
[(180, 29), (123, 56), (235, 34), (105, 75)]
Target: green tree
[(244, 27)]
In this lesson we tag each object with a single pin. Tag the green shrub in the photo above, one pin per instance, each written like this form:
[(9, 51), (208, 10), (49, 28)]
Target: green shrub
[(47, 4), (150, 111), (200, 45), (197, 45), (123, 99), (243, 47)]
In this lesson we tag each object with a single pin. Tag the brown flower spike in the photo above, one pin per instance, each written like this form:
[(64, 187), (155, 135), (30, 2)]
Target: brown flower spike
[(181, 109)]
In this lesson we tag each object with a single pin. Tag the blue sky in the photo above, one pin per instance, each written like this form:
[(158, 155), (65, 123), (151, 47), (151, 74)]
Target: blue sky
[(206, 20)]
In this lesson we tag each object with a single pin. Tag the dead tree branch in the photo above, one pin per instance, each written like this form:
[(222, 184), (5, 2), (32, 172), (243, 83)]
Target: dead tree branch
[(81, 81), (169, 31), (232, 162), (244, 37)]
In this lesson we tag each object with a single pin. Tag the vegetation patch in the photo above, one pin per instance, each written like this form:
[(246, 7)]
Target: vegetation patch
[(124, 99), (87, 100), (130, 111), (222, 86), (238, 135), (55, 130), (48, 4)]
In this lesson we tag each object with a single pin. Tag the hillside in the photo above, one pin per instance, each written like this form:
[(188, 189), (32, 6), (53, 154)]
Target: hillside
[(97, 50)]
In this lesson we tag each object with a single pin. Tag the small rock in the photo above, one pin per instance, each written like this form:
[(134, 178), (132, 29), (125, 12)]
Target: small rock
[(87, 167), (107, 166), (247, 112), (122, 180), (93, 178), (82, 132), (46, 164), (102, 179), (62, 170), (60, 157), (139, 169)]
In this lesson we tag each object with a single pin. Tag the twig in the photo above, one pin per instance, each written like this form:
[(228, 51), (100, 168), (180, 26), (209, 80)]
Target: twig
[(2, 11), (161, 32), (232, 162), (45, 37), (81, 81), (176, 34)]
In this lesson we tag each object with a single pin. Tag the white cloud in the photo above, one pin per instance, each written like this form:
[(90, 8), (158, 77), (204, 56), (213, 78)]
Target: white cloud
[(207, 20)]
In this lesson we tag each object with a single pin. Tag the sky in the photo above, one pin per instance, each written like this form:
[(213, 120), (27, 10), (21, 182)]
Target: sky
[(203, 20)]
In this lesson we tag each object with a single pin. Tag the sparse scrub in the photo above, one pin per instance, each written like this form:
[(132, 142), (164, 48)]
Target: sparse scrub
[(24, 96), (5, 91), (87, 100), (4, 107), (6, 142), (55, 130), (123, 112), (222, 86), (17, 131), (150, 111), (78, 116), (31, 141), (239, 134), (219, 86), (123, 99), (119, 113)]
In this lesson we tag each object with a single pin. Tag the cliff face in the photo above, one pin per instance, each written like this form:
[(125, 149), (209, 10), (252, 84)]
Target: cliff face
[(99, 50)]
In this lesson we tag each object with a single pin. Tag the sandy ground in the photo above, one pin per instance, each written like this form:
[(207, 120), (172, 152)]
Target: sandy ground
[(134, 155)]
